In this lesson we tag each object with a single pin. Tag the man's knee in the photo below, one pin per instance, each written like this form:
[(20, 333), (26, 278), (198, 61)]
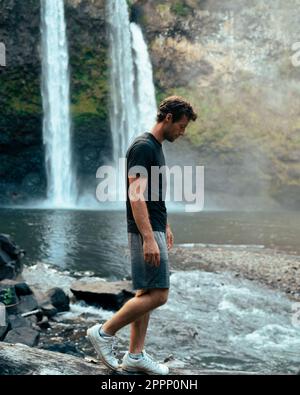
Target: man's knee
[(160, 296), (141, 292)]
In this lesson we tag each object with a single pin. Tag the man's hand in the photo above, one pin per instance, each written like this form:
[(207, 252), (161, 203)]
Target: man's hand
[(170, 237), (151, 252)]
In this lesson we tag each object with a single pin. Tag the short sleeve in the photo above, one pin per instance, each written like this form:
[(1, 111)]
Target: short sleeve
[(139, 160)]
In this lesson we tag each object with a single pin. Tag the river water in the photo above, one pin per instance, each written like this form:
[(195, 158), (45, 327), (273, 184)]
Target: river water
[(212, 320)]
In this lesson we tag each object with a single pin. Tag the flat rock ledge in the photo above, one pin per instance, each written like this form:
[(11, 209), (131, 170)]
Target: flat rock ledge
[(18, 359), (108, 295)]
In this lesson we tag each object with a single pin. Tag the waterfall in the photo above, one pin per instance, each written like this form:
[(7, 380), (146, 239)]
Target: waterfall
[(56, 105), (133, 105), (146, 102)]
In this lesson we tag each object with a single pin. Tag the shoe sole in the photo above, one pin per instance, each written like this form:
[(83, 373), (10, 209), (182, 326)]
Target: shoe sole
[(91, 338)]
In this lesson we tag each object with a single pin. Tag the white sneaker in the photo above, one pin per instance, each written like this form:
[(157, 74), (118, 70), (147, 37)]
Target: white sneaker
[(105, 347), (146, 365)]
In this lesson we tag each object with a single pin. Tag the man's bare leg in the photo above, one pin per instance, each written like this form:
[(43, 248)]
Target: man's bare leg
[(138, 330), (134, 309)]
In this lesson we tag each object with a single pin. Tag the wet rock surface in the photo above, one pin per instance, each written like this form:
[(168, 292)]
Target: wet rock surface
[(22, 360), (10, 258), (109, 296)]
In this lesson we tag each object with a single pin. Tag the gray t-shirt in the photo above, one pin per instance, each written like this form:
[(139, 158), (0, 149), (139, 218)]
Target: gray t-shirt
[(146, 151)]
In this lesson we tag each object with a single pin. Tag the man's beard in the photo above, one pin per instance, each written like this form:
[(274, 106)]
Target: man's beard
[(169, 137)]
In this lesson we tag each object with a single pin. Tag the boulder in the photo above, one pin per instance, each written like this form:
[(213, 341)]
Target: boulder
[(23, 335), (27, 303), (48, 310), (108, 295), (10, 258), (22, 289), (17, 321), (58, 299), (18, 359)]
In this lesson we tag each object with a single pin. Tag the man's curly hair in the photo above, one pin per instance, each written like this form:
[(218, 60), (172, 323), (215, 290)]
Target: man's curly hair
[(177, 106)]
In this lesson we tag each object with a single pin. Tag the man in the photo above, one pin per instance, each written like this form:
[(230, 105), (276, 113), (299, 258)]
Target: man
[(150, 238)]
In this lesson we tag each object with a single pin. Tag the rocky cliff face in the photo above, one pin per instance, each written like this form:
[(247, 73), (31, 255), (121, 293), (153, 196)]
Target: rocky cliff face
[(22, 169), (232, 59), (89, 87)]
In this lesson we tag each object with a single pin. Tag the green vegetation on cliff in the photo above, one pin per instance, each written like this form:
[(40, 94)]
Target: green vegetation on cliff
[(90, 82)]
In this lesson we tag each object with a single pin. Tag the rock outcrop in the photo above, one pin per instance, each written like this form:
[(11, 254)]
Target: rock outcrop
[(22, 170), (10, 259), (21, 360), (108, 295)]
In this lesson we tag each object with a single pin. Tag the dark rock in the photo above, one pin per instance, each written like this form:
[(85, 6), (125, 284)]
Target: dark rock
[(23, 335), (65, 349), (17, 321), (39, 315), (9, 246), (58, 299), (10, 258), (6, 268), (43, 323), (49, 310), (21, 145), (27, 303), (108, 295), (91, 149), (31, 184), (22, 289)]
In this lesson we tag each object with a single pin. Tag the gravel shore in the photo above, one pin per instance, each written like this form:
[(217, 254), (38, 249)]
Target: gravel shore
[(270, 267)]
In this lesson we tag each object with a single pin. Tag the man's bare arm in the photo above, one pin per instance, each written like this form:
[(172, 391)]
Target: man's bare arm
[(170, 237), (137, 186)]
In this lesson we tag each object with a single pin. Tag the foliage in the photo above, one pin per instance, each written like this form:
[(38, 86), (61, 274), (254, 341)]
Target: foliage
[(180, 9), (7, 296)]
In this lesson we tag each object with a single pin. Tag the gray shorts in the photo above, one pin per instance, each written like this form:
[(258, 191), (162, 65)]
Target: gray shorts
[(145, 275)]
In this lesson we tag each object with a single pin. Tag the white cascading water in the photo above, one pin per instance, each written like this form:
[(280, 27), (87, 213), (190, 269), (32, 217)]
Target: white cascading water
[(56, 105), (146, 102), (133, 105)]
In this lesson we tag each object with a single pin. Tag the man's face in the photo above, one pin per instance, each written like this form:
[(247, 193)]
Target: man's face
[(174, 130)]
